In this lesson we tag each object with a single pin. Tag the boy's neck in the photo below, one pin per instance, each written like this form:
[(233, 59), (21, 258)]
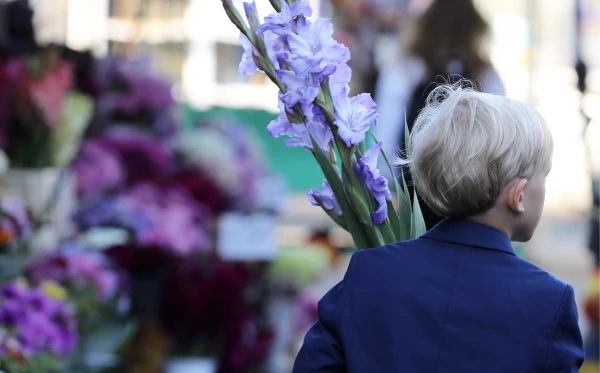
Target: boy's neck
[(493, 220)]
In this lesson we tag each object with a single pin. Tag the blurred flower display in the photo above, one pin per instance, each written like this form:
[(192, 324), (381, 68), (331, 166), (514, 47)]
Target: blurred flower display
[(35, 329), (229, 154), (44, 117), (132, 92), (88, 277)]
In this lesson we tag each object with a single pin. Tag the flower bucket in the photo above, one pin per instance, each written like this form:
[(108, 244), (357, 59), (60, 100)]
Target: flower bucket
[(50, 195), (191, 365)]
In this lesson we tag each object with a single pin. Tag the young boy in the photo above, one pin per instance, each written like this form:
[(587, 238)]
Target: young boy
[(457, 299)]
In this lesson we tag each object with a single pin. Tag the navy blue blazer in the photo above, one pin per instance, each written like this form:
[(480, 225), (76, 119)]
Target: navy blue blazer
[(456, 300)]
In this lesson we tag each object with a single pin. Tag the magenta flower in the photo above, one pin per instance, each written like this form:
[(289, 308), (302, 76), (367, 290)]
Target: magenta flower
[(354, 116), (281, 23), (314, 49), (377, 184), (325, 197)]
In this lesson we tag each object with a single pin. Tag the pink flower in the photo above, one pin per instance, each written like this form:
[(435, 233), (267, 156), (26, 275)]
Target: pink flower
[(48, 93)]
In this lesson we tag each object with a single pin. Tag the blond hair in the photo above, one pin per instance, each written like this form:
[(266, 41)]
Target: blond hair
[(467, 145)]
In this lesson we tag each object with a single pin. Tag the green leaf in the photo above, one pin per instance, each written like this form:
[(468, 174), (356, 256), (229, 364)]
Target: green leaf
[(236, 19), (362, 148), (417, 224), (394, 221), (406, 139), (355, 228), (405, 214), (400, 219), (276, 5), (387, 230)]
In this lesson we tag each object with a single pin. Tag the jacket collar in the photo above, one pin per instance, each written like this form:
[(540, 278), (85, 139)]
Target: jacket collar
[(469, 233)]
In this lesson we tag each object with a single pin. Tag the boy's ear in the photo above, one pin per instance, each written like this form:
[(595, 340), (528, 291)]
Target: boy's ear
[(515, 196)]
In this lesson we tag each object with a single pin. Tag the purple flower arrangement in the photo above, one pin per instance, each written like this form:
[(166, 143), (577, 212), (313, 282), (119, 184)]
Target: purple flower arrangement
[(130, 90), (166, 195), (310, 68), (34, 326), (75, 268), (128, 179)]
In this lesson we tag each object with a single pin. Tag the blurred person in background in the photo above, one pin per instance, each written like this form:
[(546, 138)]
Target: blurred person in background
[(369, 28), (447, 42)]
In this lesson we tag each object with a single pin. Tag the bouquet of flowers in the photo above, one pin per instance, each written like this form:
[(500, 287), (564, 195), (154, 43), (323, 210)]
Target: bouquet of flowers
[(36, 330), (87, 276), (310, 69), (44, 118)]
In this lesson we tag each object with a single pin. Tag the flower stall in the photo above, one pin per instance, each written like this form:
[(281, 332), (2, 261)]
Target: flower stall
[(43, 119)]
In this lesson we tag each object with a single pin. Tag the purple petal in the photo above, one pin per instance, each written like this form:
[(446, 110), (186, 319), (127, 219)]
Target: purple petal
[(326, 197), (301, 7), (380, 215), (247, 65), (327, 71), (365, 100), (350, 137), (352, 118), (281, 23), (322, 135), (250, 9), (299, 89), (340, 79), (279, 126), (371, 155), (305, 65), (376, 183)]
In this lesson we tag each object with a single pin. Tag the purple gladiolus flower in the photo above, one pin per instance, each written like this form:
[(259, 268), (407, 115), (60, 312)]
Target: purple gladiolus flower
[(299, 89), (353, 116), (326, 197), (301, 136), (281, 23), (314, 48), (377, 184)]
